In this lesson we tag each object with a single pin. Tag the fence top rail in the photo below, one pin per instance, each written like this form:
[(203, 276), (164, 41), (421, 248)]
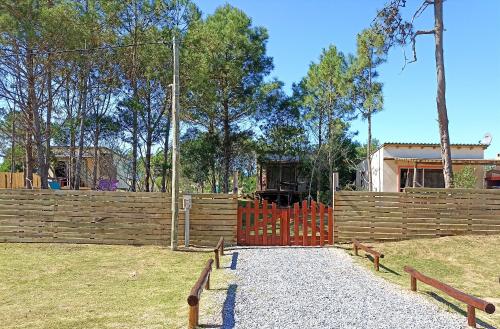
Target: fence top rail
[(367, 249), (451, 190), (194, 295), (457, 294)]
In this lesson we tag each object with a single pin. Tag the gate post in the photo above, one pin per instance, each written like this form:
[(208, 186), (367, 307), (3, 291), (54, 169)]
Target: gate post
[(187, 201)]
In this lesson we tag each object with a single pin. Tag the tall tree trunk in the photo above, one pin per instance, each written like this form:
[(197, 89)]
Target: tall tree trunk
[(50, 104), (369, 152), (318, 161), (12, 148), (81, 134), (96, 154), (28, 172), (149, 142), (330, 145), (34, 124), (441, 96), (227, 147), (165, 156), (135, 123), (48, 120)]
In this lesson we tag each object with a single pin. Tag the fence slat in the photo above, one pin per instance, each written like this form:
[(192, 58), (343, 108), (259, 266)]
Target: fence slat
[(313, 224), (264, 222), (321, 224), (255, 222), (274, 218), (330, 226), (296, 214), (304, 222), (247, 224)]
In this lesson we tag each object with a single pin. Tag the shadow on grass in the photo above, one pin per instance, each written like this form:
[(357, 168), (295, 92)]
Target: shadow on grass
[(228, 321), (234, 261), (387, 269), (457, 309)]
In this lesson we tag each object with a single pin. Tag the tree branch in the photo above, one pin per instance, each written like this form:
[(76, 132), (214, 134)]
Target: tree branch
[(413, 41)]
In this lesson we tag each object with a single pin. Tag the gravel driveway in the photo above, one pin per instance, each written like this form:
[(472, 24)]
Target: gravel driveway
[(320, 288)]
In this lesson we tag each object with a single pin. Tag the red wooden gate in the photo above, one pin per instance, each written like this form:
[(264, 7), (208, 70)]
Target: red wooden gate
[(261, 224)]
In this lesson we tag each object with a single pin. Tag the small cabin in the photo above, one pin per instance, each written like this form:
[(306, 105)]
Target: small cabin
[(279, 179)]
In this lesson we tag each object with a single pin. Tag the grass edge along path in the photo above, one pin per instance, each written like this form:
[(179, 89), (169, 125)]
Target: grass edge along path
[(99, 286), (468, 263)]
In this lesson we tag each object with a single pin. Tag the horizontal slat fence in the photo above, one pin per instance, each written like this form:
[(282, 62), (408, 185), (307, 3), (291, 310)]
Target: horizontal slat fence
[(111, 217), (416, 213)]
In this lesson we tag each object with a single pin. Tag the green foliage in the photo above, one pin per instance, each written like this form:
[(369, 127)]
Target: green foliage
[(465, 178), (365, 90)]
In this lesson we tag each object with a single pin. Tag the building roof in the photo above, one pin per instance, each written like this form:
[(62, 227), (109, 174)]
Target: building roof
[(88, 152), (279, 158), (453, 161), (483, 146)]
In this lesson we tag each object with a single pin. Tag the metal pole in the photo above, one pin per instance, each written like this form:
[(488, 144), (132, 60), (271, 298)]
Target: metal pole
[(187, 206), (175, 149)]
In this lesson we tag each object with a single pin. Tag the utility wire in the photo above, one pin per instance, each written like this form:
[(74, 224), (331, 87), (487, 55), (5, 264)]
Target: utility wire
[(82, 50)]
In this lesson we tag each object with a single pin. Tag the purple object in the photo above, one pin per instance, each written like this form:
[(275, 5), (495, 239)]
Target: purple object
[(107, 185)]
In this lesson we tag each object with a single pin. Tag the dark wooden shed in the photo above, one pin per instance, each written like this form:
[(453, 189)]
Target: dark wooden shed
[(278, 179)]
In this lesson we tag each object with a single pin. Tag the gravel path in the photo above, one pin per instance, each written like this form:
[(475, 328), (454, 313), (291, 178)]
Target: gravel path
[(320, 288)]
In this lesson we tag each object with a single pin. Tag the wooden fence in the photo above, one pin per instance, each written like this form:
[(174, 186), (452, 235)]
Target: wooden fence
[(111, 217), (17, 180), (416, 213)]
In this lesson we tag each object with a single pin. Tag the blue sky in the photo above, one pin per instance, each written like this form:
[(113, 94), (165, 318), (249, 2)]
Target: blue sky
[(299, 30)]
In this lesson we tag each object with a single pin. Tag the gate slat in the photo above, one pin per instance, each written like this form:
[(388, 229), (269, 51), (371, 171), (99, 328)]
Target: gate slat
[(330, 225), (247, 224), (296, 213), (274, 240), (321, 224), (256, 222), (313, 224), (304, 223), (264, 223)]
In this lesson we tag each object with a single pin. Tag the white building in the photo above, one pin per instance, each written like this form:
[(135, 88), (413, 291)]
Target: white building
[(395, 166)]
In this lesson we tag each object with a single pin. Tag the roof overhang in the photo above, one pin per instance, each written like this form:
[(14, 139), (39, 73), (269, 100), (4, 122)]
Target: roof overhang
[(434, 145), (484, 162)]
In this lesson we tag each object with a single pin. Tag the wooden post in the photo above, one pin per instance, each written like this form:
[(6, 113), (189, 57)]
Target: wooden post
[(355, 247), (413, 283), (193, 316), (216, 256), (415, 175), (175, 148), (471, 316), (376, 262)]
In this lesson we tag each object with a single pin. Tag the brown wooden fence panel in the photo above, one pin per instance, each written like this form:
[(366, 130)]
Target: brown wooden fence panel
[(416, 213), (16, 180), (111, 217)]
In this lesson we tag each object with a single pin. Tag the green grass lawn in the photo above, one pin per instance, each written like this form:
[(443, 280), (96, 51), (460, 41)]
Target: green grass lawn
[(93, 286), (468, 263)]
